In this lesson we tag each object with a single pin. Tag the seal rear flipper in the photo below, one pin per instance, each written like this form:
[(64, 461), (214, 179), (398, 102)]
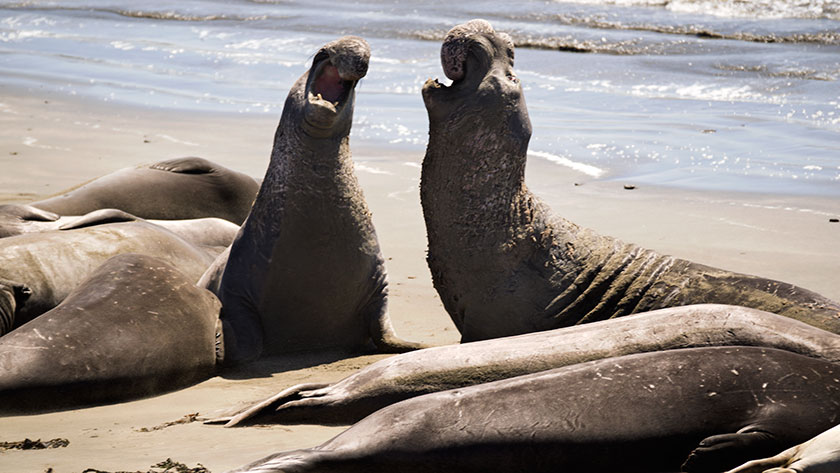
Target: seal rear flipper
[(721, 452), (99, 217), (12, 298), (189, 165)]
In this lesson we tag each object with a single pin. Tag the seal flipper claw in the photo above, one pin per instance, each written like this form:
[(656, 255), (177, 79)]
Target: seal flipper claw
[(720, 452), (247, 416), (189, 165)]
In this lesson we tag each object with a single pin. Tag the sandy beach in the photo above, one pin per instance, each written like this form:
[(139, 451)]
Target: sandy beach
[(49, 142)]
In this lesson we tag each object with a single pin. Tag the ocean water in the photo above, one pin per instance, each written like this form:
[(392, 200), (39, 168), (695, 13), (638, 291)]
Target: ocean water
[(728, 95)]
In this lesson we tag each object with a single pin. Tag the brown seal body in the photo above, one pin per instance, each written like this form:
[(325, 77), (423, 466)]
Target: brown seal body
[(136, 327), (502, 263), (38, 270), (637, 413), (175, 189)]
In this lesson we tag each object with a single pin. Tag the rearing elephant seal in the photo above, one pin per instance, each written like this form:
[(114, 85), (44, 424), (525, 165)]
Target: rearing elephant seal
[(175, 189), (501, 262), (305, 271)]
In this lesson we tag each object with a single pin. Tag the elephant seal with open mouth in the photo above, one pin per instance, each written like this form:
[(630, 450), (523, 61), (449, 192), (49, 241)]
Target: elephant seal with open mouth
[(643, 412), (501, 262), (305, 271)]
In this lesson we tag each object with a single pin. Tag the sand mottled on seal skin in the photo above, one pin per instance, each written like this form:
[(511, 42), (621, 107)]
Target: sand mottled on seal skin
[(821, 454), (305, 271), (502, 263), (642, 412), (38, 270), (136, 327), (175, 189), (437, 369)]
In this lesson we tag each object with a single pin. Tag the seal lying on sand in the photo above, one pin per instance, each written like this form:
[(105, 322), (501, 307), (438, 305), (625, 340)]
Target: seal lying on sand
[(437, 369), (18, 219), (169, 190), (136, 327), (305, 271), (38, 270), (501, 262), (642, 412), (821, 454)]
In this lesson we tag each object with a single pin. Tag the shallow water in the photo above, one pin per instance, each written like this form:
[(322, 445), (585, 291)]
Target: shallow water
[(706, 94)]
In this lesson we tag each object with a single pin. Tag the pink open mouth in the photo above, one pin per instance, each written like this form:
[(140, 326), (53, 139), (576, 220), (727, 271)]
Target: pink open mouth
[(329, 84)]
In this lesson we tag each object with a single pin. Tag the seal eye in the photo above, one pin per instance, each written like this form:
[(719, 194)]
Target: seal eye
[(329, 83)]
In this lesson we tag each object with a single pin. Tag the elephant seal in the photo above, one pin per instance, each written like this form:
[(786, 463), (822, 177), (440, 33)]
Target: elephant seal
[(821, 454), (437, 369), (136, 327), (501, 262), (38, 270), (305, 271), (180, 188), (641, 412), (19, 219)]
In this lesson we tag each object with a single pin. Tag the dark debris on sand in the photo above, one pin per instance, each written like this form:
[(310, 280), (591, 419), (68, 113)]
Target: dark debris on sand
[(166, 466), (28, 444), (183, 420)]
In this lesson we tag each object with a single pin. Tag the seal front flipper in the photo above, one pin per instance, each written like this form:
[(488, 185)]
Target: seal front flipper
[(99, 217), (255, 413), (719, 452), (190, 165), (28, 213)]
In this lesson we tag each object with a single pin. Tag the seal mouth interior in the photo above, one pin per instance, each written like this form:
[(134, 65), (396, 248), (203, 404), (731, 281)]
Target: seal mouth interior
[(328, 86)]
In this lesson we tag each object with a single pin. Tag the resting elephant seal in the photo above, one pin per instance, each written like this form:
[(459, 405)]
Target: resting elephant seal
[(38, 270), (437, 369), (501, 262), (642, 412), (18, 219), (305, 271), (135, 327), (821, 454), (175, 189)]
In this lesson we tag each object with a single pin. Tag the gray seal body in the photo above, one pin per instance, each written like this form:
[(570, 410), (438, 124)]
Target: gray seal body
[(305, 271), (637, 413), (136, 327)]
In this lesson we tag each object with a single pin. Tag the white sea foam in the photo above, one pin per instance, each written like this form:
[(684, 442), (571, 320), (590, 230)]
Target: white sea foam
[(372, 170), (563, 161)]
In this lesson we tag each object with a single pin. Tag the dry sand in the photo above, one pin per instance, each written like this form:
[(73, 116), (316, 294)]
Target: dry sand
[(50, 142)]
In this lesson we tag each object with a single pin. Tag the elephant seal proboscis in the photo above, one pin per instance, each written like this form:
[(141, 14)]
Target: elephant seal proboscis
[(16, 219), (501, 262), (136, 327), (821, 454), (437, 369), (305, 271), (175, 189), (641, 412), (38, 270)]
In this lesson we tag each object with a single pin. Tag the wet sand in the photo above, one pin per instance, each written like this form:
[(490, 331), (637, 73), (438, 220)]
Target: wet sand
[(52, 142)]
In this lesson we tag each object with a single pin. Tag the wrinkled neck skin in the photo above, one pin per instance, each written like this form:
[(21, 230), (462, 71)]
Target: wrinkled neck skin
[(474, 167), (311, 156)]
